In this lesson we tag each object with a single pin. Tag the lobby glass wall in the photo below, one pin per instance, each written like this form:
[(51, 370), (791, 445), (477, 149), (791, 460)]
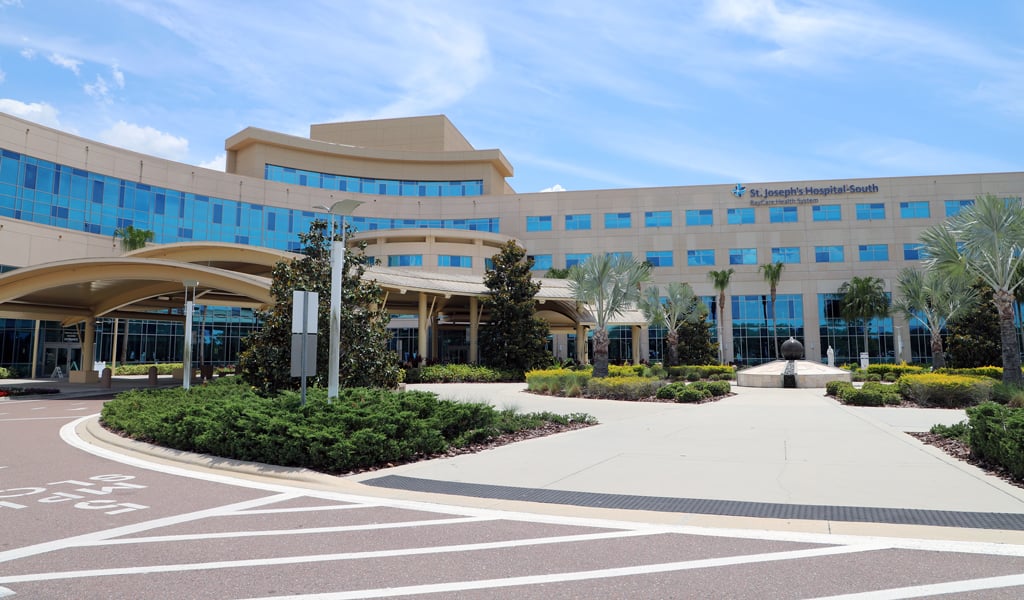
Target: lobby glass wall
[(847, 339), (753, 342)]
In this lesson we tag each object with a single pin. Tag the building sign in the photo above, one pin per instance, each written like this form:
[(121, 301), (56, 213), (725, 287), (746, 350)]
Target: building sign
[(799, 194)]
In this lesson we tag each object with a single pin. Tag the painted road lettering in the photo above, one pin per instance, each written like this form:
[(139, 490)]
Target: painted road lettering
[(112, 507)]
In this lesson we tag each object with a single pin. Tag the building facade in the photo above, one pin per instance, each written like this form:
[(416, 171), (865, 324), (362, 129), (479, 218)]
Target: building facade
[(434, 204)]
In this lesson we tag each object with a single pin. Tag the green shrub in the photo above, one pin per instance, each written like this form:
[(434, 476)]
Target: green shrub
[(1008, 393), (557, 381), (161, 369), (948, 391), (996, 435), (898, 370), (693, 394), (717, 388), (873, 377), (990, 372), (838, 388), (890, 377), (693, 375), (458, 373), (670, 391), (656, 371), (626, 370), (363, 428), (622, 388), (5, 373), (958, 431), (870, 394)]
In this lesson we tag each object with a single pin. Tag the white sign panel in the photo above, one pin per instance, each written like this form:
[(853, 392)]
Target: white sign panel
[(311, 302)]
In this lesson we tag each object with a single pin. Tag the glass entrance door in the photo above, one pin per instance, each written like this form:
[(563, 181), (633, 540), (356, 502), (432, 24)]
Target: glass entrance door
[(66, 357)]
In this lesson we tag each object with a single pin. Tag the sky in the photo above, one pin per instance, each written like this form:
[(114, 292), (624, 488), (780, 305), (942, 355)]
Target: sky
[(577, 95)]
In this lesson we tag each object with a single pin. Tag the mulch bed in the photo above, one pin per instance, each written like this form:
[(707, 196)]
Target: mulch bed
[(961, 451)]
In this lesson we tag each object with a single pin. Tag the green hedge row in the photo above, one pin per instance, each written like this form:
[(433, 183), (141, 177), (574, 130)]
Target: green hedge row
[(696, 372), (694, 392), (896, 370), (870, 394), (990, 372), (945, 390), (622, 388), (996, 435), (363, 428), (458, 373)]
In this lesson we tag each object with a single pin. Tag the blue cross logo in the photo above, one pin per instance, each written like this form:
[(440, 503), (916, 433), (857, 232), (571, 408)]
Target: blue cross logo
[(739, 190)]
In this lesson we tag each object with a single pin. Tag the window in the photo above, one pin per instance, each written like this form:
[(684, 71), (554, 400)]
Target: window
[(870, 212), (660, 258), (617, 221), (658, 218), (699, 217), (953, 207), (541, 262), (700, 258), (538, 223), (782, 214), (913, 252), (577, 222), (571, 260), (788, 255), (828, 254), (873, 252), (405, 260), (915, 210), (620, 255), (454, 260), (742, 256), (740, 216), (827, 212), (489, 264)]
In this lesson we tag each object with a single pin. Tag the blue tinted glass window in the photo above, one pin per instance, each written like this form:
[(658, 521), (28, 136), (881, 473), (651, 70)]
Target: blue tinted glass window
[(542, 223), (915, 210), (700, 258), (953, 207), (827, 212), (870, 212), (454, 260), (696, 218), (787, 255), (577, 222), (619, 254), (742, 256), (572, 260), (828, 254), (541, 262), (913, 252), (782, 214), (740, 216), (369, 185), (660, 258), (873, 252), (617, 220), (658, 218), (405, 260)]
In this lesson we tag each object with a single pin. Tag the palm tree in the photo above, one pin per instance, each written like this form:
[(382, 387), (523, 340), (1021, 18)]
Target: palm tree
[(608, 285), (132, 238), (681, 305), (933, 298), (772, 274), (985, 240), (863, 299), (720, 280)]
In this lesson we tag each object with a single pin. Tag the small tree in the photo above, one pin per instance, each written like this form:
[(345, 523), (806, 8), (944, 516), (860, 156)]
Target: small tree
[(680, 305), (696, 344), (132, 238), (933, 299), (973, 335), (720, 280), (863, 299), (365, 358), (515, 337), (608, 285), (772, 274)]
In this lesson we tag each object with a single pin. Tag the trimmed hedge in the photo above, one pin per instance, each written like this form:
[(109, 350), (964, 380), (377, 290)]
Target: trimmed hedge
[(557, 381), (870, 394), (947, 391), (622, 388), (363, 428), (5, 373), (458, 373), (996, 435), (899, 370), (990, 372), (161, 369), (701, 371), (694, 392)]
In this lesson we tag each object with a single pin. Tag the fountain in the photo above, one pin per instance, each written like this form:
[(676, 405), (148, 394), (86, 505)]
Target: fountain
[(792, 372)]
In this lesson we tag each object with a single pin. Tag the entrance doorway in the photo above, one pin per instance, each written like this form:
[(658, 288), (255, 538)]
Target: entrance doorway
[(66, 357)]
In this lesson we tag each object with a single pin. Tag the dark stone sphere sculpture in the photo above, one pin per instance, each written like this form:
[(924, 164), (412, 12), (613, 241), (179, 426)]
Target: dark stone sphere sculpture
[(792, 349)]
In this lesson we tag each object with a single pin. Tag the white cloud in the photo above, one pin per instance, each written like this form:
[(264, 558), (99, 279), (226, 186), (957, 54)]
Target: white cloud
[(146, 140), (217, 163), (37, 112), (3, 76), (118, 76), (28, 53), (555, 188), (65, 62), (98, 89)]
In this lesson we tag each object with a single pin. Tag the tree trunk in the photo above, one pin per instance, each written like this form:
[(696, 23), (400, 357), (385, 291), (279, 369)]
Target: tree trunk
[(775, 328), (672, 352), (1008, 336), (938, 356), (866, 339), (601, 352), (721, 327)]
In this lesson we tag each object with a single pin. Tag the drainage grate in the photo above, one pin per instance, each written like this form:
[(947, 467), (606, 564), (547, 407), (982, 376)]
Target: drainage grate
[(733, 508)]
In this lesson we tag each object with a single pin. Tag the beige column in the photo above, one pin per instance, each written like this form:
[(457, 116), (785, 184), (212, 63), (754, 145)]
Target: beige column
[(35, 350), (421, 349), (635, 330), (474, 328), (85, 372)]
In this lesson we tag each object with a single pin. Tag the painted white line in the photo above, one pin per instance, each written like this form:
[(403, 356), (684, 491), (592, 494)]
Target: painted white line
[(82, 408), (461, 586), (934, 589), (5, 593), (38, 418), (290, 560), (277, 511), (92, 538), (39, 408), (275, 532)]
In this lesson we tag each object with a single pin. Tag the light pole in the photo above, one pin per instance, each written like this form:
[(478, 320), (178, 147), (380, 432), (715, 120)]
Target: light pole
[(342, 208), (186, 375)]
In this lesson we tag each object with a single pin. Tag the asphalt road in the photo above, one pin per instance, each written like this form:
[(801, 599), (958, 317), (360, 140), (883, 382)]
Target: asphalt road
[(82, 523)]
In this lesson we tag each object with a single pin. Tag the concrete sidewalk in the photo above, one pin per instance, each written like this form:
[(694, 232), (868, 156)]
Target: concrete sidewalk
[(788, 446)]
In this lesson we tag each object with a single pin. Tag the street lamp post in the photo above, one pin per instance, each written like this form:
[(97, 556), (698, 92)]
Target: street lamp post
[(186, 375), (342, 208)]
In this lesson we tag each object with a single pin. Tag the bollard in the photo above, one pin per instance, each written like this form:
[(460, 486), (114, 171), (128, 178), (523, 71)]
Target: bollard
[(152, 376), (105, 376)]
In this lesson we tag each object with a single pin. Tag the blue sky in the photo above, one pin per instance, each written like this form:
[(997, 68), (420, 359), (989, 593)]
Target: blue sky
[(582, 95)]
